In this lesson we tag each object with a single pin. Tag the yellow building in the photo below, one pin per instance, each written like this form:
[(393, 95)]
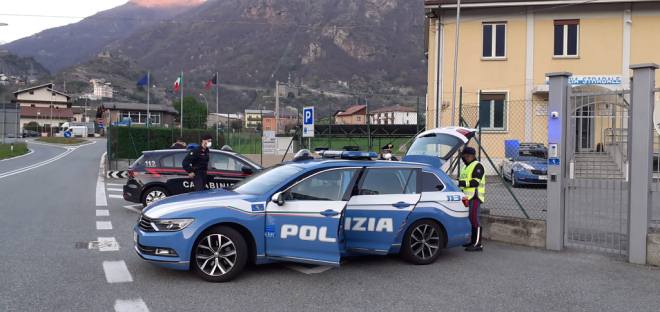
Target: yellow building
[(506, 47)]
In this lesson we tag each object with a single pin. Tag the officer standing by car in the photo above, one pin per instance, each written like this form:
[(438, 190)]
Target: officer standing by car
[(179, 144), (472, 182), (196, 162)]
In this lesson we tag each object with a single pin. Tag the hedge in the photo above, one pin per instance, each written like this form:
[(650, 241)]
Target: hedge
[(129, 142)]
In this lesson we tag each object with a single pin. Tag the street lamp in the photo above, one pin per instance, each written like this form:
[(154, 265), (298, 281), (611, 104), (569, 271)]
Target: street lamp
[(207, 106)]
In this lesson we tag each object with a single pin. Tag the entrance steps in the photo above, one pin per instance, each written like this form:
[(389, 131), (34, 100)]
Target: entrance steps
[(597, 166)]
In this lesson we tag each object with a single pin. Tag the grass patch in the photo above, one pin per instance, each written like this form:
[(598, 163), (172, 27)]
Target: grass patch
[(19, 149), (59, 140)]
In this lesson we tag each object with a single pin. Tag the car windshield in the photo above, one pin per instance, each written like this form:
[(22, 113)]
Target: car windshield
[(266, 180), (532, 155), (440, 145)]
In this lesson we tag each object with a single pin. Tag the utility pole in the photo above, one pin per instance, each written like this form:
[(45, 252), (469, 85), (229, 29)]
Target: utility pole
[(453, 90), (277, 107), (366, 102), (217, 101), (181, 89), (148, 100)]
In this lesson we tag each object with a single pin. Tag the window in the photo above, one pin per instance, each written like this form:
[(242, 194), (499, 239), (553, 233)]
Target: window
[(167, 162), (266, 180), (389, 181), (567, 34), (223, 162), (494, 40), (492, 111), (431, 183), (329, 185), (141, 117), (358, 118)]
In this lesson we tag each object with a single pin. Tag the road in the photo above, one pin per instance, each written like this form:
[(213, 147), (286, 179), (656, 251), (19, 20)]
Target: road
[(50, 216)]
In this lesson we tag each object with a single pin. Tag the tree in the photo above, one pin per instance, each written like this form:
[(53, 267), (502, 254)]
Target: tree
[(194, 112)]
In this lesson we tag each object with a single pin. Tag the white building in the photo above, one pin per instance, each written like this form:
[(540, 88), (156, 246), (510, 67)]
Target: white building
[(102, 89), (393, 115)]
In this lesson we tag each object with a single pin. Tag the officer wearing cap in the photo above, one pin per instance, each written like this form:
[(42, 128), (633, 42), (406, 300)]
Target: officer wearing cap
[(473, 183), (196, 162), (386, 152)]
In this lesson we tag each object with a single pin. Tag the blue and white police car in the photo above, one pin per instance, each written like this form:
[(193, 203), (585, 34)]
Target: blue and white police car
[(314, 211)]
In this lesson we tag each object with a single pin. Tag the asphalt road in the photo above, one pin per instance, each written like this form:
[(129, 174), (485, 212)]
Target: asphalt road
[(49, 216)]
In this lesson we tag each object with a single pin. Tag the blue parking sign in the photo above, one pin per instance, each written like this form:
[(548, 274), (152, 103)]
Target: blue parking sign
[(308, 121)]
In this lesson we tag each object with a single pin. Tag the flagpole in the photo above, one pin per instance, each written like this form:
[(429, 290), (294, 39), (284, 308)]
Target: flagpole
[(148, 100), (181, 89), (217, 101)]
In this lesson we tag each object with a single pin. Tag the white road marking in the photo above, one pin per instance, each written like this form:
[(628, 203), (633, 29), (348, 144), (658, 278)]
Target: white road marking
[(131, 305), (308, 271), (102, 212), (104, 244), (116, 272), (114, 184), (103, 225), (114, 189), (100, 188), (133, 208), (19, 156), (116, 196), (63, 145), (37, 165)]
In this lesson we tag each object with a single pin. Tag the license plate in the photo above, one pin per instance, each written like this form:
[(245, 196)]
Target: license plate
[(135, 240), (543, 177)]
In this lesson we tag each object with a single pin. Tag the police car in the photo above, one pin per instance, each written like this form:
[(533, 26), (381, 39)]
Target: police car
[(158, 174), (314, 211)]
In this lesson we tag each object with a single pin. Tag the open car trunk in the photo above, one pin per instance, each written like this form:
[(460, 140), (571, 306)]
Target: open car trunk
[(436, 146)]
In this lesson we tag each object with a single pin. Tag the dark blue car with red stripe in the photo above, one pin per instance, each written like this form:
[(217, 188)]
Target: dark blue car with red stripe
[(159, 174)]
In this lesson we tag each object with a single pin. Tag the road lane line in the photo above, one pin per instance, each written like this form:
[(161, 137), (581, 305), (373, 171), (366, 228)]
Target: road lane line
[(102, 212), (114, 184), (131, 305), (114, 189), (103, 225), (100, 188), (133, 208), (116, 272), (107, 244), (34, 166), (116, 196)]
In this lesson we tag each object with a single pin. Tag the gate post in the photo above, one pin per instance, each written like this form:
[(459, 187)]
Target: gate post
[(558, 115), (641, 142)]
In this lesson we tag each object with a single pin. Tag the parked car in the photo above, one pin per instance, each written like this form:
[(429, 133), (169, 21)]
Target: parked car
[(159, 174), (527, 166), (310, 211), (30, 134)]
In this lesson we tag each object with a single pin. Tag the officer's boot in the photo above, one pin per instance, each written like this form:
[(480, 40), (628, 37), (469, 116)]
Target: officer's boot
[(473, 237), (477, 243)]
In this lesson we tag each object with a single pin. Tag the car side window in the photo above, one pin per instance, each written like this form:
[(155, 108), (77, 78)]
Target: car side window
[(383, 181), (329, 185), (431, 183), (220, 161), (178, 159), (167, 161)]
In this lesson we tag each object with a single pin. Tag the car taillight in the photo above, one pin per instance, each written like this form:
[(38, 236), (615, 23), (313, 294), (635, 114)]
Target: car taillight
[(465, 202), (131, 173)]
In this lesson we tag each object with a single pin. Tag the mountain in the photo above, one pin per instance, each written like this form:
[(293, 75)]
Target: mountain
[(22, 67), (64, 46), (368, 43)]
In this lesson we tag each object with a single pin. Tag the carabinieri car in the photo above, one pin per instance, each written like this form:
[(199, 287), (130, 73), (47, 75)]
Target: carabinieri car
[(313, 211), (159, 173)]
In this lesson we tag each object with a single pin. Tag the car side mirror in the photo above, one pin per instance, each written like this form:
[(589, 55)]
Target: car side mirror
[(247, 170), (278, 198)]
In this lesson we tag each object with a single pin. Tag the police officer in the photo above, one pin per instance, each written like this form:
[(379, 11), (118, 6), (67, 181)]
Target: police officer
[(196, 163), (179, 144), (386, 152), (473, 183)]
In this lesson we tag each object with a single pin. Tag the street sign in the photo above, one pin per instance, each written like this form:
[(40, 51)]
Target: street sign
[(67, 134), (308, 122)]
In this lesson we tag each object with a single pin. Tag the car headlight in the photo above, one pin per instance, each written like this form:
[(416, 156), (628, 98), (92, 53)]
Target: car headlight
[(170, 225), (526, 166)]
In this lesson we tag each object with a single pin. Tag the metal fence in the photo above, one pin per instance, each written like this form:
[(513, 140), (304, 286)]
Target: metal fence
[(654, 218), (9, 122), (513, 189)]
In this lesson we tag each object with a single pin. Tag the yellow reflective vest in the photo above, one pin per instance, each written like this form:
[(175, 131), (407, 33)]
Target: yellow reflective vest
[(466, 176)]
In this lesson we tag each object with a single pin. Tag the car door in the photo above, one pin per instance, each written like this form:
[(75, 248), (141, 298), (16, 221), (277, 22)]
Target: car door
[(304, 225), (224, 170), (175, 177), (377, 212)]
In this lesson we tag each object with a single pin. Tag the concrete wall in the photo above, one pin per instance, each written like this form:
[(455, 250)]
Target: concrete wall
[(514, 230)]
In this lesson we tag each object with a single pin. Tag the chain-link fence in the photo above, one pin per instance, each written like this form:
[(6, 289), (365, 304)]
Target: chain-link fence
[(654, 218), (9, 122), (513, 139)]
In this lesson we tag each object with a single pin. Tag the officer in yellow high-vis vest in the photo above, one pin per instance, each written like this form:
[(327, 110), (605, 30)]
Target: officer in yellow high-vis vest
[(473, 183)]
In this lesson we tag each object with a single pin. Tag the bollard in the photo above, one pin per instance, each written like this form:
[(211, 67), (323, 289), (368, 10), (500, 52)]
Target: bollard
[(11, 147)]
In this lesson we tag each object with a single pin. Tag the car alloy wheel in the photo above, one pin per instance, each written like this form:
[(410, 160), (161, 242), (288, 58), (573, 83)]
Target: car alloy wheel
[(215, 255), (425, 241), (152, 195)]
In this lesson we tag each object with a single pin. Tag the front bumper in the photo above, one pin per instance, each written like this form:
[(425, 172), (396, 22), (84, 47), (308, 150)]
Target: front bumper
[(144, 242), (530, 178)]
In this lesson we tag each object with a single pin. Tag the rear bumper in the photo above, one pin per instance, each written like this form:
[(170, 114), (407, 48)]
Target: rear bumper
[(132, 192)]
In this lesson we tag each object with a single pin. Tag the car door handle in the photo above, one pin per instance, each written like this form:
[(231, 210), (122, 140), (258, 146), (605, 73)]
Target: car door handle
[(329, 213), (401, 205)]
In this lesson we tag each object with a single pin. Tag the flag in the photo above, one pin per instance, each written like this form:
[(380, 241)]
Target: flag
[(144, 81), (212, 81), (177, 84)]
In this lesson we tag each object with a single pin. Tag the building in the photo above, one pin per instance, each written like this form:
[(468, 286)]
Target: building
[(393, 115), (253, 117), (44, 105), (353, 115), (223, 119), (102, 89), (288, 119), (161, 115), (506, 47)]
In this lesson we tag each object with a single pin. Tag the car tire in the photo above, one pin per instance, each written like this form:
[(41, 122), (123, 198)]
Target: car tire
[(229, 261), (422, 242), (152, 193)]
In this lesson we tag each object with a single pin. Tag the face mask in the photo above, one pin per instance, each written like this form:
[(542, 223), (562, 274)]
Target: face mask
[(387, 156), (209, 144)]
